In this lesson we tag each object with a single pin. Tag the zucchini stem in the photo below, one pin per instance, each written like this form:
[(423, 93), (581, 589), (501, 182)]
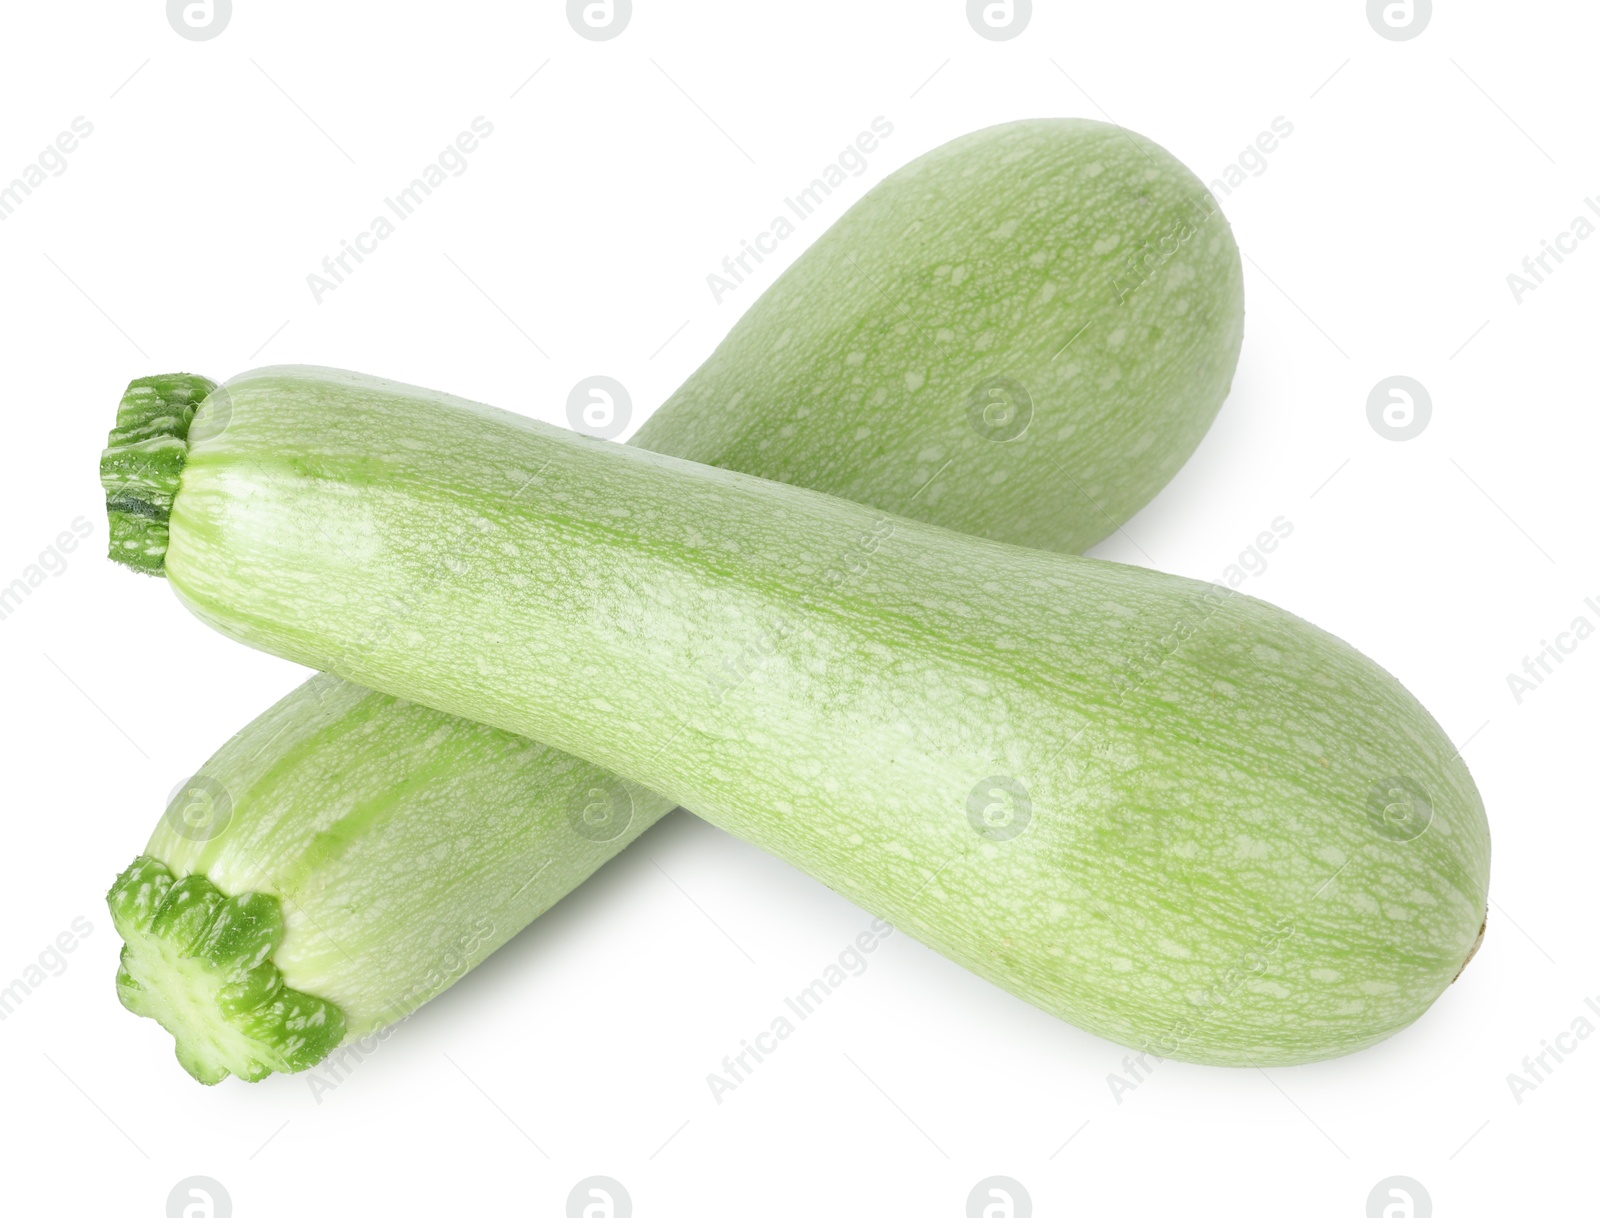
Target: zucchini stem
[(199, 962), (143, 461)]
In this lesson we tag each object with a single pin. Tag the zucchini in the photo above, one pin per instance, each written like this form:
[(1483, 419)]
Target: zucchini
[(1175, 816), (1042, 300), (348, 855)]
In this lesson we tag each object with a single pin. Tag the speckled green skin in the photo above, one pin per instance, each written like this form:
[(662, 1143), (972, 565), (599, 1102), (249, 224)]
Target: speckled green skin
[(1030, 251), (1089, 271), (1180, 818)]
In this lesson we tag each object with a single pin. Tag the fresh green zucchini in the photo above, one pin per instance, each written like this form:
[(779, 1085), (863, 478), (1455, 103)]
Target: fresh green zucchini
[(965, 345), (1175, 816)]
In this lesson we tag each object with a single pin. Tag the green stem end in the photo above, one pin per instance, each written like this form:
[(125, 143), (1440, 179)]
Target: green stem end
[(199, 963), (142, 461)]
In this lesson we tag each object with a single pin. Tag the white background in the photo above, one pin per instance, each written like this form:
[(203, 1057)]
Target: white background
[(1378, 239)]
